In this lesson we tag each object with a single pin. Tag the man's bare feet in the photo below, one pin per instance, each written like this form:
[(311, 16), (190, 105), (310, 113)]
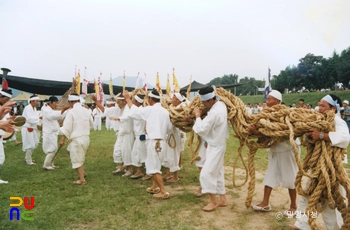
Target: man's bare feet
[(210, 207), (198, 193), (222, 203), (167, 177), (173, 180)]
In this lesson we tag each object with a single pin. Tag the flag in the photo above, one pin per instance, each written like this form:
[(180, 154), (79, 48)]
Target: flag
[(110, 86), (168, 90), (267, 89), (96, 88), (144, 84), (124, 81), (137, 81), (84, 86), (77, 82), (175, 82), (189, 90), (100, 90), (158, 87)]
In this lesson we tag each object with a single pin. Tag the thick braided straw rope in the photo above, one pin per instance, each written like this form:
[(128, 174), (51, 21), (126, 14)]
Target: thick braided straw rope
[(322, 163)]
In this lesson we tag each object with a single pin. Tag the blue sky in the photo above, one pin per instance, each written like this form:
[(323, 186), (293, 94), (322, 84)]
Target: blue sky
[(48, 39)]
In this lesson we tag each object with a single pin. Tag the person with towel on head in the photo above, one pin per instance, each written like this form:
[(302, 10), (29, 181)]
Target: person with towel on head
[(108, 123), (282, 166), (51, 130), (29, 132), (214, 130), (158, 126), (176, 144), (5, 108), (76, 127), (139, 151), (339, 138)]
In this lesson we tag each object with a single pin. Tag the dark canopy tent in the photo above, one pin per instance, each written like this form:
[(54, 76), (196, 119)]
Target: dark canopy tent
[(48, 87), (195, 86)]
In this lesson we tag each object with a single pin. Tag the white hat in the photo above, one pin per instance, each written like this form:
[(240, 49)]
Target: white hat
[(346, 102), (276, 94)]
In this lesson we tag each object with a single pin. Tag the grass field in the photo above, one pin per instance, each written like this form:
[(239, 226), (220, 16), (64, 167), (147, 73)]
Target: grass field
[(108, 201)]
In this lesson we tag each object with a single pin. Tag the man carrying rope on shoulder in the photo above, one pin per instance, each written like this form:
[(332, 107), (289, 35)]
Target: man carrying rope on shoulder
[(339, 138), (214, 129), (282, 166)]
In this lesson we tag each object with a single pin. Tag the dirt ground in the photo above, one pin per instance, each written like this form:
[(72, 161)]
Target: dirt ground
[(237, 216)]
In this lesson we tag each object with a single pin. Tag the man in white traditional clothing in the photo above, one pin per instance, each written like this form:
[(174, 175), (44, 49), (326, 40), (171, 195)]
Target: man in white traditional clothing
[(7, 124), (76, 127), (282, 166), (109, 124), (126, 136), (176, 144), (214, 129), (51, 130), (139, 152), (116, 111), (158, 126), (29, 132), (97, 114), (340, 138)]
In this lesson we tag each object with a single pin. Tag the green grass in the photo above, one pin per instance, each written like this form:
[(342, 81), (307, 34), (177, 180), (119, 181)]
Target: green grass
[(108, 201)]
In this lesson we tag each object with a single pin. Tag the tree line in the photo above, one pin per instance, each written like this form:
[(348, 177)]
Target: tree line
[(312, 73)]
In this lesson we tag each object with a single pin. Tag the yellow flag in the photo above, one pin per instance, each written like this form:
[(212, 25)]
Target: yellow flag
[(168, 89), (124, 81), (110, 86), (96, 88), (175, 82), (189, 90), (158, 87), (77, 81)]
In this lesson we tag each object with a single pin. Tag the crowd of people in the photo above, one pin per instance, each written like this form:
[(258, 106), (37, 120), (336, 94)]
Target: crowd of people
[(145, 135)]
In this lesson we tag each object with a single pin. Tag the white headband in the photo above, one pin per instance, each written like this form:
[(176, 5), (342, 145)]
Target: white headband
[(138, 99), (332, 102), (5, 94), (179, 96), (73, 98), (207, 96), (153, 96), (120, 98), (34, 99), (110, 102)]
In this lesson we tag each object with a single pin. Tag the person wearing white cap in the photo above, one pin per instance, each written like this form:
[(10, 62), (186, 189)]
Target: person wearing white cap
[(51, 130), (176, 144), (215, 130), (139, 151), (97, 114), (116, 111), (126, 136), (282, 166), (339, 138), (108, 122), (76, 127), (5, 96), (29, 132), (346, 113), (158, 126)]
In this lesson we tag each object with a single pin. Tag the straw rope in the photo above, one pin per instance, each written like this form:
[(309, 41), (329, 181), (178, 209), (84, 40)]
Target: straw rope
[(322, 163)]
